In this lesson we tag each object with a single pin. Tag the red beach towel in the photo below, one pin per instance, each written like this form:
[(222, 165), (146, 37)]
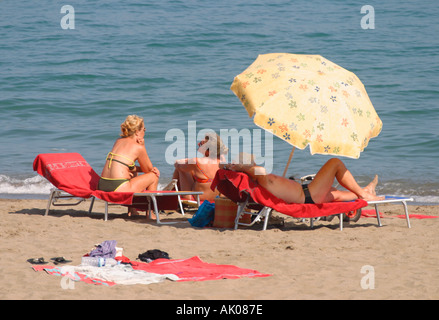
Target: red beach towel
[(69, 172), (233, 184), (72, 174), (194, 269), (372, 214)]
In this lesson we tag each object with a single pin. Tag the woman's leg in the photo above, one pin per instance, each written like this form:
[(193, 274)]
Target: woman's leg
[(321, 187), (148, 181)]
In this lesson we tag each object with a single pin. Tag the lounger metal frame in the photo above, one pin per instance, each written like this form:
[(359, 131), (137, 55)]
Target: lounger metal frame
[(266, 211), (57, 194), (391, 199)]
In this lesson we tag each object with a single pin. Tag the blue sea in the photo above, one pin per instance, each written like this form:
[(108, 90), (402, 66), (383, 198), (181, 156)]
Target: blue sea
[(68, 79)]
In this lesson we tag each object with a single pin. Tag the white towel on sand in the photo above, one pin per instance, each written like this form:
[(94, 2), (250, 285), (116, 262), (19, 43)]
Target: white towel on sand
[(120, 274)]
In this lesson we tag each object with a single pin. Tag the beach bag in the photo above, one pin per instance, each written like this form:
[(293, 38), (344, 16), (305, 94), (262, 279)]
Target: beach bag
[(225, 213), (151, 255), (204, 215)]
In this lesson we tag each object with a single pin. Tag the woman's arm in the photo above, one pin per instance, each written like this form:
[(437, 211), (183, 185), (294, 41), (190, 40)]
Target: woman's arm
[(144, 161)]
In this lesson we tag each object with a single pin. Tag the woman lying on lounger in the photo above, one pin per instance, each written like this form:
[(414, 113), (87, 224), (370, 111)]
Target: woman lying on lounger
[(320, 189), (120, 172), (197, 174)]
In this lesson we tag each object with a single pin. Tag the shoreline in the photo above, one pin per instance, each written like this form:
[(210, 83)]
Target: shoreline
[(33, 196), (320, 263), (37, 187)]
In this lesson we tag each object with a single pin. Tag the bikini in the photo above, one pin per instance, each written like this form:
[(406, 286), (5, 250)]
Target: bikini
[(207, 180), (111, 185), (308, 198), (110, 157)]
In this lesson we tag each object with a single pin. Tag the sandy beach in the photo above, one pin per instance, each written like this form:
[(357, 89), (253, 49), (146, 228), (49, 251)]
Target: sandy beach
[(304, 263)]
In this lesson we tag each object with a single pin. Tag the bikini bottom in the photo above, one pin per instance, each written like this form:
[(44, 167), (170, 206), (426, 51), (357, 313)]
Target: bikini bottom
[(308, 198), (110, 185)]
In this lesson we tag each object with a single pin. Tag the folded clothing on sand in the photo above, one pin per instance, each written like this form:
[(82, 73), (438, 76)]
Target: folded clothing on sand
[(106, 249)]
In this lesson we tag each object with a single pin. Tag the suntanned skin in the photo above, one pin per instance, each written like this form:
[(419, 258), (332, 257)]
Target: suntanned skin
[(186, 169), (320, 188), (132, 147)]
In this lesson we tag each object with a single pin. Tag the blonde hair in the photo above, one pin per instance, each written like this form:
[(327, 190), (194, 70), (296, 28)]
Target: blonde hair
[(131, 125)]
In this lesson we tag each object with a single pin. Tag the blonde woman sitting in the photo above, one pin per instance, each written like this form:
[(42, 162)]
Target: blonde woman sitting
[(197, 174), (120, 172)]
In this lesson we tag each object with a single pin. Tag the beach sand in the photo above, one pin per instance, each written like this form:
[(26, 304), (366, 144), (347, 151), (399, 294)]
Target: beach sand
[(304, 263)]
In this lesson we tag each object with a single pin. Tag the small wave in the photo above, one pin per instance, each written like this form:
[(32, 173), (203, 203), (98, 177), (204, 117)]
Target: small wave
[(316, 35), (29, 185), (426, 200), (34, 185)]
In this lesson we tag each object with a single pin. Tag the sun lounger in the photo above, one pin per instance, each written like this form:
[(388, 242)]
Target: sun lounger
[(388, 199), (238, 187), (73, 177), (392, 199)]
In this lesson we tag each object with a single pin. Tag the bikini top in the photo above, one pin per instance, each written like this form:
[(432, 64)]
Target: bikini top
[(110, 158), (201, 180)]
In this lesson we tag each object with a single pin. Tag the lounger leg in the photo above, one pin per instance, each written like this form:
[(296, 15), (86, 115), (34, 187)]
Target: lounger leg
[(106, 211), (156, 211), (179, 198), (181, 205), (91, 204), (378, 216), (406, 214), (341, 221), (239, 210), (52, 193), (267, 217)]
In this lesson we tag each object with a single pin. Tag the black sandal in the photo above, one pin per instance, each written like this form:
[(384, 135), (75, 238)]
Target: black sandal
[(37, 261), (58, 260)]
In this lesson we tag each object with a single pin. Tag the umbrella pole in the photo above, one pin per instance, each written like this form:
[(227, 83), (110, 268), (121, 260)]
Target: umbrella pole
[(289, 160)]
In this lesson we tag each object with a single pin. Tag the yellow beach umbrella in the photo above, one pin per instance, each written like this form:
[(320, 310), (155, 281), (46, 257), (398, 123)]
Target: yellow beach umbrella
[(308, 100)]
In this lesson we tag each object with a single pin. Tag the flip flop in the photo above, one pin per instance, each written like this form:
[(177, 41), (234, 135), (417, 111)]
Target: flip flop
[(37, 261), (58, 260)]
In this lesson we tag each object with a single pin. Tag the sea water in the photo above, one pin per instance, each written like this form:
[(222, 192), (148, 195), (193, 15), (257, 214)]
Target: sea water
[(70, 77)]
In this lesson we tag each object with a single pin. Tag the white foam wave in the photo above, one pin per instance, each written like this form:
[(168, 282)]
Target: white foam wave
[(30, 185), (24, 185), (428, 200)]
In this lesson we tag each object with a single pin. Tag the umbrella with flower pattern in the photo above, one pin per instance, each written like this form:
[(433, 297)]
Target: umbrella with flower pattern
[(308, 100)]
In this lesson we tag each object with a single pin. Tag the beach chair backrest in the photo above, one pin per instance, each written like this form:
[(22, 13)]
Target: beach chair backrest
[(68, 172)]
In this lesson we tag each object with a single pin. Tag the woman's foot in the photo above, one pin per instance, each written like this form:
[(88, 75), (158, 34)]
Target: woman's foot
[(370, 188), (132, 212), (370, 192), (153, 217)]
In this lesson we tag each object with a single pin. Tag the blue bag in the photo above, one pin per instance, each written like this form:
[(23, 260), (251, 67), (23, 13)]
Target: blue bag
[(204, 215)]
